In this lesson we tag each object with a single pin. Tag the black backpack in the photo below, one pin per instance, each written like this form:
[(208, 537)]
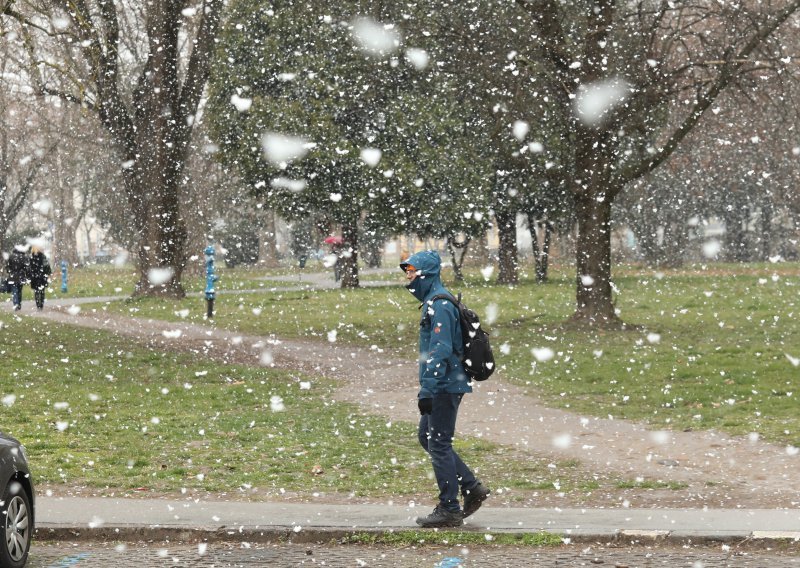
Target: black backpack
[(476, 353)]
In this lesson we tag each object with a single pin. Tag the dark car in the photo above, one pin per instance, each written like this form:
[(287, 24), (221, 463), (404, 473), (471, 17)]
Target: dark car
[(16, 507)]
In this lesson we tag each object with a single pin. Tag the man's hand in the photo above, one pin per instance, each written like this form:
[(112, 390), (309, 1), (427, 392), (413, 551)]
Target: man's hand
[(425, 405)]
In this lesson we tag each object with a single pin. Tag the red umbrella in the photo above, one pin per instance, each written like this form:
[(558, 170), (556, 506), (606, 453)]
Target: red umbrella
[(333, 240)]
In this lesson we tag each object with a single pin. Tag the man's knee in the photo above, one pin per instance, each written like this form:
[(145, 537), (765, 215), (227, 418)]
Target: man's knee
[(439, 446), (422, 437)]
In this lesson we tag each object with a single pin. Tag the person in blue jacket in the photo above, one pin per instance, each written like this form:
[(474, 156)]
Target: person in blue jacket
[(443, 383)]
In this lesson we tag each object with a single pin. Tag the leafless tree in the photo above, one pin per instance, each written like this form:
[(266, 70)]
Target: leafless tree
[(656, 58), (24, 147), (140, 68)]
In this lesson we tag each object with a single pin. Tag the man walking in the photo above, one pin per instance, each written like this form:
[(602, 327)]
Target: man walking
[(17, 268), (442, 385), (39, 275)]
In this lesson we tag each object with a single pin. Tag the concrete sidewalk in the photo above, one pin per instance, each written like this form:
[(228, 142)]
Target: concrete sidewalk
[(156, 519)]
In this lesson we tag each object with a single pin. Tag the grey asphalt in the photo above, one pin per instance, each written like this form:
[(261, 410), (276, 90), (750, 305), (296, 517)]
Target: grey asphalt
[(102, 518)]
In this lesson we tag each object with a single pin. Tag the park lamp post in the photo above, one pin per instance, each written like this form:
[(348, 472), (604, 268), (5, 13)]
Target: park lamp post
[(211, 279)]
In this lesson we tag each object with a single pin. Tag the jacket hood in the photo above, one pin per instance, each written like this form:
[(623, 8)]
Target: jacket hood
[(429, 266)]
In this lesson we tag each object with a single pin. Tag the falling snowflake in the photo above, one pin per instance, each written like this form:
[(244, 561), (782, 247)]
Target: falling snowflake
[(240, 103), (374, 38), (293, 185), (96, 522), (711, 248), (596, 100), (562, 441), (159, 276), (520, 129), (661, 437), (536, 147), (418, 58), (280, 148), (492, 311), (42, 206), (542, 354), (371, 156)]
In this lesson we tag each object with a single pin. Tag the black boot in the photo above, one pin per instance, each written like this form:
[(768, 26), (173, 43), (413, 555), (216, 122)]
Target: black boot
[(474, 498), (441, 517)]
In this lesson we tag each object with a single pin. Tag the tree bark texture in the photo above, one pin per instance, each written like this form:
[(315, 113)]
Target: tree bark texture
[(594, 303), (268, 243), (349, 255), (65, 243), (508, 272), (458, 260), (541, 257)]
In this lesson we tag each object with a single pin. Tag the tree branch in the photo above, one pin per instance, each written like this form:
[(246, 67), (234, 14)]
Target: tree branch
[(732, 65), (18, 201), (199, 65), (544, 14)]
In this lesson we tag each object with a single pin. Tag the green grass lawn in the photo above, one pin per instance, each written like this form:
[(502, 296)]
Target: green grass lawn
[(94, 410), (111, 280), (713, 347)]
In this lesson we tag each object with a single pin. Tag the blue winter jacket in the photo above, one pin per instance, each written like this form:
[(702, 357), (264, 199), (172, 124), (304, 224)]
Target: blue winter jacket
[(440, 343)]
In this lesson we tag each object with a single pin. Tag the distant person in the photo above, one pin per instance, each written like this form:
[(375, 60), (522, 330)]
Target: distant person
[(337, 249), (39, 275), (17, 269), (443, 383)]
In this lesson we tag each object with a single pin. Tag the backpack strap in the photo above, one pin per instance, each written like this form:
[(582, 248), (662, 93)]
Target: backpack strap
[(446, 297)]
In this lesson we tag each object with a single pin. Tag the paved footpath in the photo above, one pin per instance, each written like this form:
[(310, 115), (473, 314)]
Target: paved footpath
[(112, 518)]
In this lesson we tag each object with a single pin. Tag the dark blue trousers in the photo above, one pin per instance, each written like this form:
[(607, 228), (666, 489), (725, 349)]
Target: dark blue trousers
[(436, 432), (16, 294)]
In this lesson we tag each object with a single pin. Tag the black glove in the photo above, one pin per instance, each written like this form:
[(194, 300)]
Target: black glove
[(425, 405)]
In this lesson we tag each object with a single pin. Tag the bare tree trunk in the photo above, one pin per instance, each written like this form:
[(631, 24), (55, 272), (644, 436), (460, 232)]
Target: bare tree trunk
[(349, 256), (151, 127), (65, 244), (507, 230), (735, 240), (674, 245), (458, 259), (268, 243), (765, 232), (543, 257), (594, 298), (481, 252)]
